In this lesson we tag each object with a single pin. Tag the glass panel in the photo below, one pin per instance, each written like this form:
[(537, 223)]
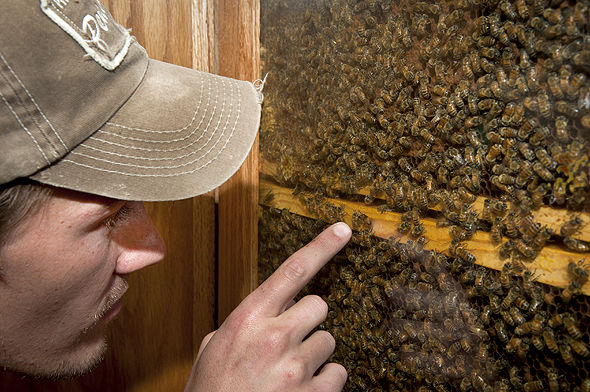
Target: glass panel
[(453, 137)]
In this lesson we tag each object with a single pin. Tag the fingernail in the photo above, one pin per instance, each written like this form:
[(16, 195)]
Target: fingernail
[(341, 229)]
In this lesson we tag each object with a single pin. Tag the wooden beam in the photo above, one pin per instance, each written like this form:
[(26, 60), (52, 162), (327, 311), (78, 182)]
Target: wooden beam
[(553, 218), (550, 264)]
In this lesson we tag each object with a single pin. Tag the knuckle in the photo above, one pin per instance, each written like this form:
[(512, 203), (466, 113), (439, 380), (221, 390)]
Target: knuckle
[(294, 269), (319, 304), (239, 318), (275, 341), (343, 374), (324, 242), (295, 372), (327, 339)]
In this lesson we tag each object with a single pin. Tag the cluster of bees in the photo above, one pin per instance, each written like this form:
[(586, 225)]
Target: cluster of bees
[(497, 104), (430, 106), (406, 318)]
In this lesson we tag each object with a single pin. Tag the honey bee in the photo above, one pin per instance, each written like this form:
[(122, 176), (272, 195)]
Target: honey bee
[(553, 16), (506, 248), (473, 122), (505, 275), (579, 269), (489, 52), (525, 150), (579, 347), (521, 303), (495, 137), (544, 105), (541, 238), (509, 10), (493, 153), (507, 318), (531, 104), (557, 319), (417, 231), (554, 87), (538, 342), (545, 159), (464, 255), (566, 354), (517, 316), (571, 327), (532, 386), (549, 338), (537, 323), (454, 348), (539, 135), (530, 228), (501, 331), (574, 87), (571, 227), (532, 78), (576, 245), (510, 225), (571, 290), (542, 171), (561, 132), (508, 132), (521, 85), (525, 250), (496, 231)]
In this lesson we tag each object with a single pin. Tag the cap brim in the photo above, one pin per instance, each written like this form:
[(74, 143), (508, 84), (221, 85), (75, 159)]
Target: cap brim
[(181, 134)]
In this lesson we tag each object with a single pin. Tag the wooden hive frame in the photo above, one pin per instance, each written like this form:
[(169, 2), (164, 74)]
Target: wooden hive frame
[(551, 264)]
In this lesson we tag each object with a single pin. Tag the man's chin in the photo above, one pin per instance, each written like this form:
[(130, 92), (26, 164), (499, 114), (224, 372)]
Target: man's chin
[(68, 368)]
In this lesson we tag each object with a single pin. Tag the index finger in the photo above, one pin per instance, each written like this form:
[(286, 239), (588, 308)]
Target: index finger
[(283, 285)]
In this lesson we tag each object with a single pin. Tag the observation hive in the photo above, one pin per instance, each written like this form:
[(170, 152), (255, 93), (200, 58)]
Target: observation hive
[(452, 136)]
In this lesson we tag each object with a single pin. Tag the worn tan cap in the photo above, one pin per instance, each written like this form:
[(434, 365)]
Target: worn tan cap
[(83, 107)]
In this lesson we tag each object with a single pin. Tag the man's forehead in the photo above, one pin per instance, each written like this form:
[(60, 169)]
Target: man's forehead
[(82, 204), (85, 197)]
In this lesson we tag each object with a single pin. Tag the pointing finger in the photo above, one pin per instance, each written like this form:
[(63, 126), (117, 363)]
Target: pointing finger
[(277, 292)]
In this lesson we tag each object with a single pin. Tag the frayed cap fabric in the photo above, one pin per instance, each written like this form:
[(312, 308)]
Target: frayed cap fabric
[(82, 107)]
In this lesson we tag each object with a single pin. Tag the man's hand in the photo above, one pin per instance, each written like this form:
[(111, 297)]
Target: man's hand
[(264, 345)]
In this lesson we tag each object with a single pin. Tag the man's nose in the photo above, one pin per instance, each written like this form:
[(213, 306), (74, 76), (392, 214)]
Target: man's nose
[(141, 244)]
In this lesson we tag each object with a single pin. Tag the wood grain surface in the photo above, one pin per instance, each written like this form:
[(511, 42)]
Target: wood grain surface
[(553, 218), (550, 264), (171, 306), (237, 26)]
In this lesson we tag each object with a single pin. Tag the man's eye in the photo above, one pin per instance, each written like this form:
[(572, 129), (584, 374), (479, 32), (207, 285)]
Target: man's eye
[(115, 219)]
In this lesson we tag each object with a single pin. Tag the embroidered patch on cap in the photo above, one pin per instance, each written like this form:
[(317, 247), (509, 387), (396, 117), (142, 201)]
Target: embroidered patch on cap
[(93, 27)]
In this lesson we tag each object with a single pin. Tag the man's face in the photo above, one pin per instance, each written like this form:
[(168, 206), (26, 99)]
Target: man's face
[(63, 276)]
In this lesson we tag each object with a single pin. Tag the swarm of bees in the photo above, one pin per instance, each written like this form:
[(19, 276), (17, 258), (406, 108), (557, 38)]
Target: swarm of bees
[(432, 106), (406, 318), (450, 102)]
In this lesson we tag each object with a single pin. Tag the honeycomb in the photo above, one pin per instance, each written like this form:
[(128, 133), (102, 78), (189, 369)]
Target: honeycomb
[(425, 109)]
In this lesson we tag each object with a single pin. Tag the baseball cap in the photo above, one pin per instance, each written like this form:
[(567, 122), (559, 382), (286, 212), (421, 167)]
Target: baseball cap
[(84, 108)]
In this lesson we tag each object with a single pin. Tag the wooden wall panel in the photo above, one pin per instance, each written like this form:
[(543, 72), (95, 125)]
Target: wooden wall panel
[(204, 35), (204, 207), (169, 307), (238, 48), (204, 311)]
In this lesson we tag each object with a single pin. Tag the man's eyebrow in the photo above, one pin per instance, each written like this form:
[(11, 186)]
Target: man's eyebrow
[(105, 201), (108, 202), (104, 205)]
